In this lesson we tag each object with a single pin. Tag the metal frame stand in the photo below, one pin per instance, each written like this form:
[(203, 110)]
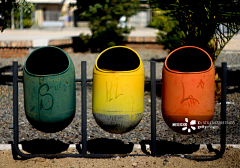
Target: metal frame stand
[(84, 154), (220, 153)]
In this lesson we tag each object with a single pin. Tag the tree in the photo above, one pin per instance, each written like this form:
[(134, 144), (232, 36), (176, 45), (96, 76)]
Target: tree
[(199, 23), (5, 12), (5, 6), (27, 9), (104, 16)]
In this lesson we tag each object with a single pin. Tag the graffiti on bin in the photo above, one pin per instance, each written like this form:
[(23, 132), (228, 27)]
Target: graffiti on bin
[(201, 83), (191, 101), (112, 90), (46, 102)]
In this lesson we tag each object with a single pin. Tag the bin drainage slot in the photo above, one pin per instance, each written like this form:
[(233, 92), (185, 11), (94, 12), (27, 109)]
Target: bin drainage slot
[(46, 61), (118, 59), (189, 60)]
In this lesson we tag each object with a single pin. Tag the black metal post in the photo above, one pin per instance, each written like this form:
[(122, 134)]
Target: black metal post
[(16, 149), (223, 108), (153, 108), (84, 107), (15, 103)]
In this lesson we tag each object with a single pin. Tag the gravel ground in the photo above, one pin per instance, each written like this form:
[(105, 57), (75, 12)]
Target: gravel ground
[(72, 134)]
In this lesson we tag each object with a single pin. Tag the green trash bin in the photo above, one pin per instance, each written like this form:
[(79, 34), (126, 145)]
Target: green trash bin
[(49, 89)]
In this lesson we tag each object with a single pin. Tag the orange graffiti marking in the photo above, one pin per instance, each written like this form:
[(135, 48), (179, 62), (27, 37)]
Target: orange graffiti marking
[(201, 83)]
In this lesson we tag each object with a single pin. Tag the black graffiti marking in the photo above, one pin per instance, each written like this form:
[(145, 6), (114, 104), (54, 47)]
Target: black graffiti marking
[(41, 89)]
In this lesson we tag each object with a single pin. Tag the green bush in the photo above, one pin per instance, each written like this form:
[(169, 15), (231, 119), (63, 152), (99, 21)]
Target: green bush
[(104, 16), (169, 35), (162, 21), (27, 23), (84, 42), (197, 23)]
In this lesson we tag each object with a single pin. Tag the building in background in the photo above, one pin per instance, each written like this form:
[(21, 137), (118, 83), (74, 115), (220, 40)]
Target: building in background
[(53, 10), (59, 10), (143, 17)]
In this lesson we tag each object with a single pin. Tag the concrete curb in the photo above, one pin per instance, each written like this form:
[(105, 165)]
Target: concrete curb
[(136, 146)]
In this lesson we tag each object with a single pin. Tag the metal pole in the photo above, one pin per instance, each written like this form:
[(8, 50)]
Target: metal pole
[(223, 108), (84, 107), (153, 108), (15, 102)]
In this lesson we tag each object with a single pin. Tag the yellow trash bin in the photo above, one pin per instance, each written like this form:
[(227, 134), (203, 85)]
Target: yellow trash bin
[(118, 89)]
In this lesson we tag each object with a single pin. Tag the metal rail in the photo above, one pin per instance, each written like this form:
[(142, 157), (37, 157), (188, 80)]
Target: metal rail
[(84, 154), (84, 107), (220, 153), (153, 109)]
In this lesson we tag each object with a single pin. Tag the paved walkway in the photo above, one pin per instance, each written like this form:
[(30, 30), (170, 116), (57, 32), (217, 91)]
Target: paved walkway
[(66, 33), (233, 44), (29, 34)]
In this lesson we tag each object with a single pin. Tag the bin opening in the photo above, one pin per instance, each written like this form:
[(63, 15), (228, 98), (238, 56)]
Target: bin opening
[(118, 59), (46, 61), (189, 60)]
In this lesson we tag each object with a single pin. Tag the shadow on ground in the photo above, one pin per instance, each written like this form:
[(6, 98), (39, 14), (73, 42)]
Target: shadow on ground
[(6, 79), (107, 146), (168, 147), (94, 146), (42, 146)]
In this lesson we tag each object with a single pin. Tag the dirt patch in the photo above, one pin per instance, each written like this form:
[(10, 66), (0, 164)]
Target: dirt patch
[(231, 158)]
